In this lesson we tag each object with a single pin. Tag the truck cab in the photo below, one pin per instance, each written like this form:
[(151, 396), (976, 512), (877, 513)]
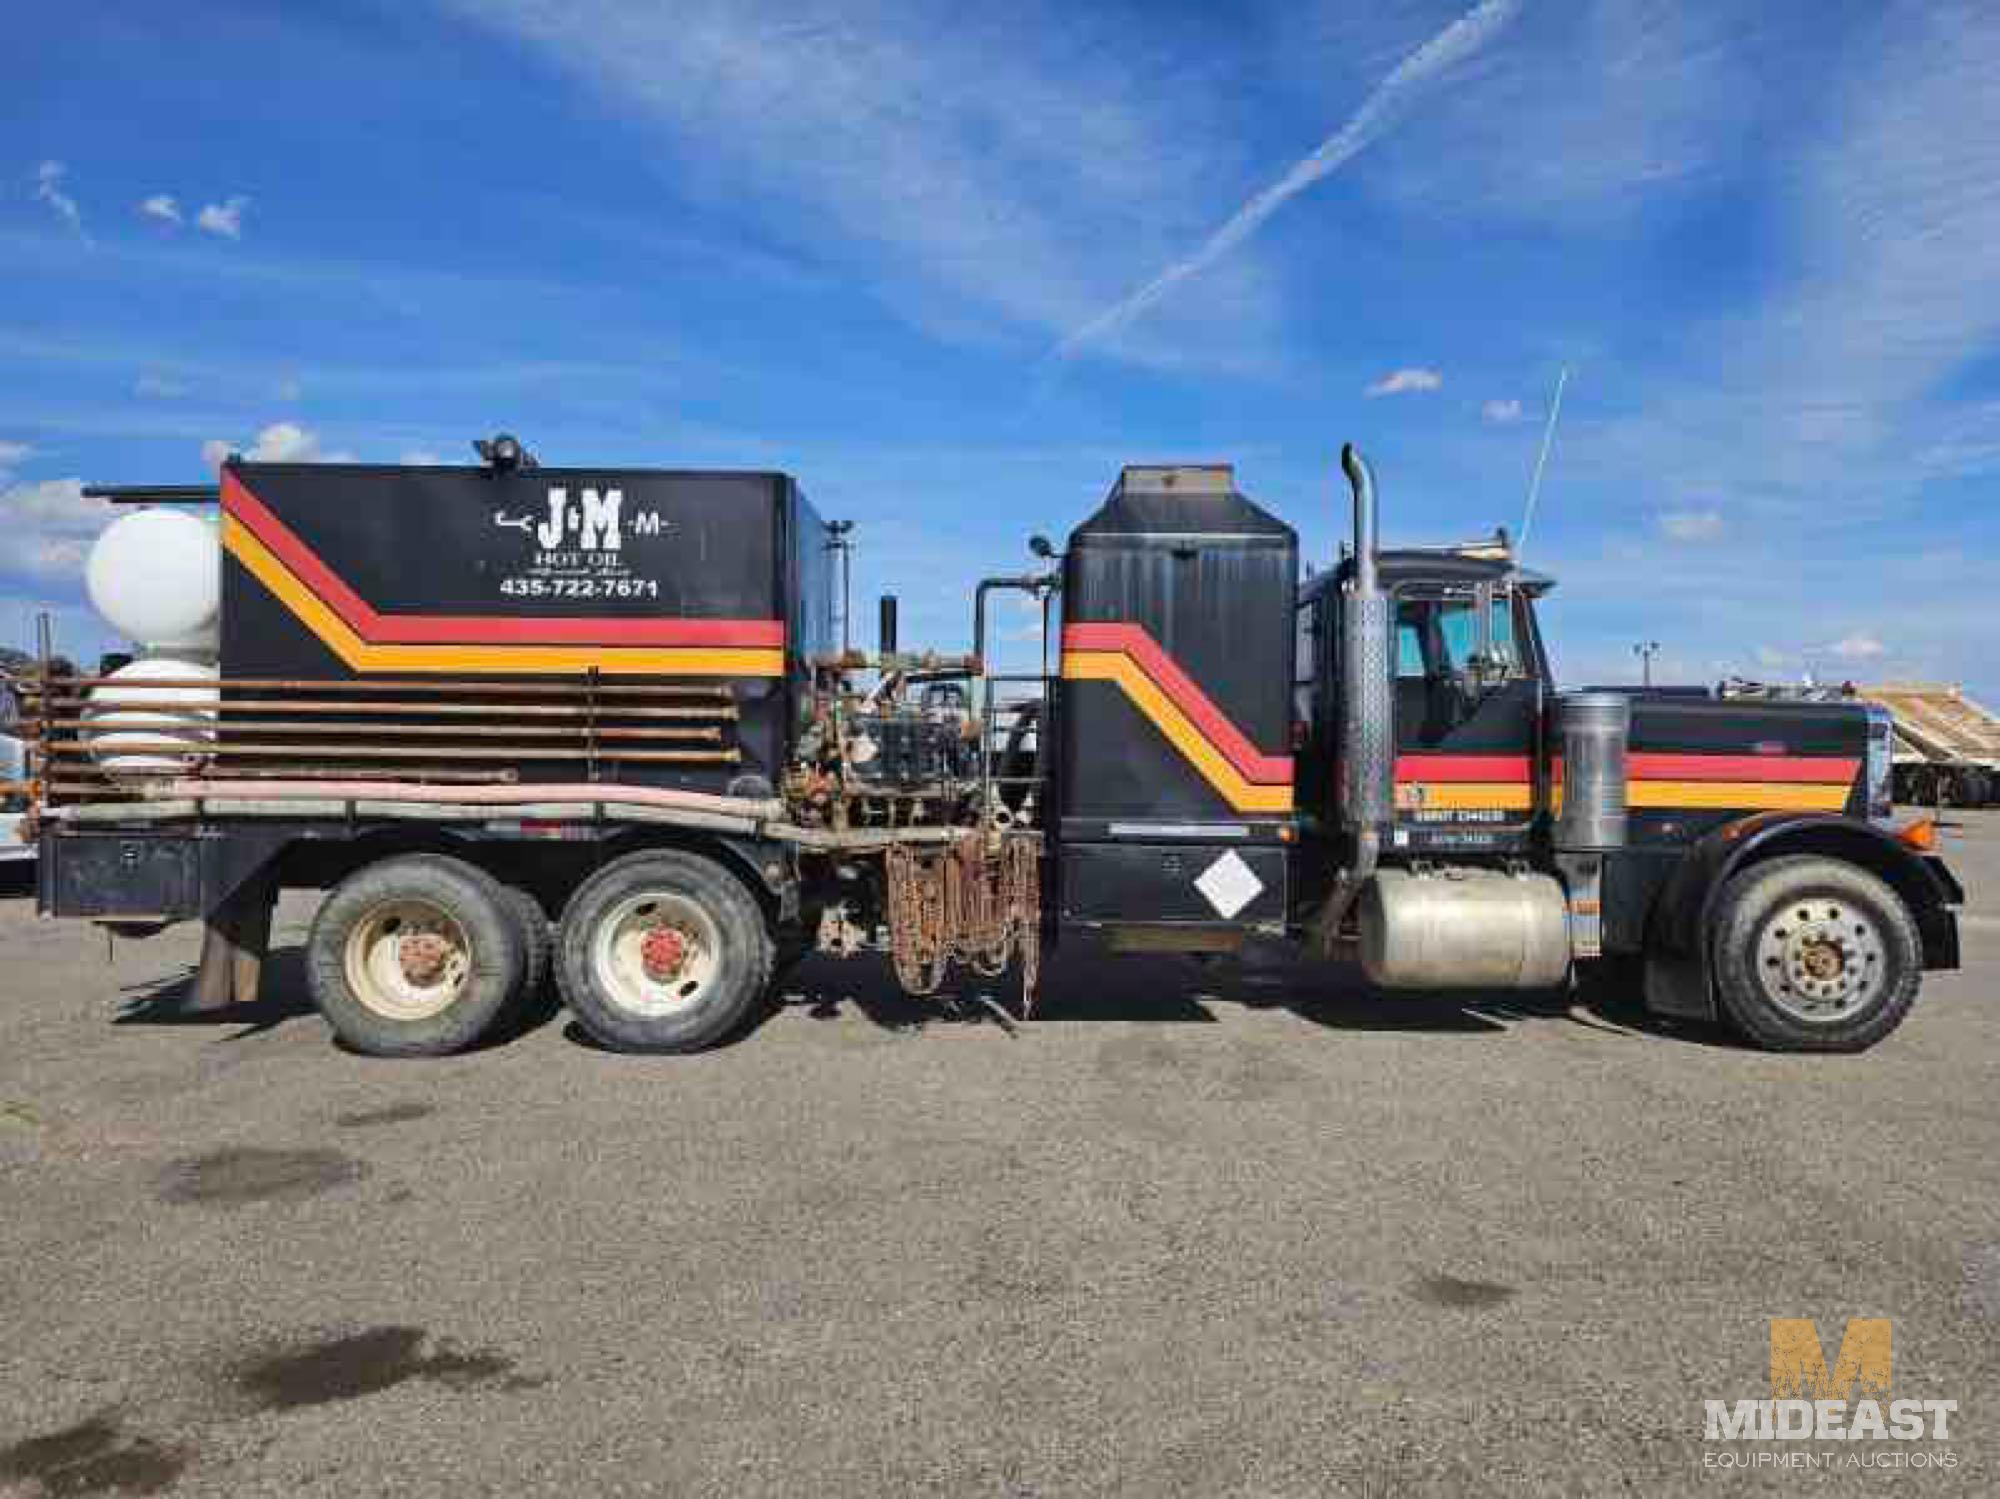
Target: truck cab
[(1469, 688)]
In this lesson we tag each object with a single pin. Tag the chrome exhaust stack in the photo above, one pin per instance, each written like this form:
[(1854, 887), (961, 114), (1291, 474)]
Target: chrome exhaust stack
[(1367, 729), (1367, 724)]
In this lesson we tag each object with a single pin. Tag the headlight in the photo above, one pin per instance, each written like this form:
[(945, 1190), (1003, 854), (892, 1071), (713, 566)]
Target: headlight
[(1881, 762)]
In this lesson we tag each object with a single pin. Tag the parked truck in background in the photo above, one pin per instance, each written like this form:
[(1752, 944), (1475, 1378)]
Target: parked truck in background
[(513, 718), (1947, 745)]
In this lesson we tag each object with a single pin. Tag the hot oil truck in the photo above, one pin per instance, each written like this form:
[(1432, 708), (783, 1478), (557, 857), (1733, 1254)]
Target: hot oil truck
[(514, 719)]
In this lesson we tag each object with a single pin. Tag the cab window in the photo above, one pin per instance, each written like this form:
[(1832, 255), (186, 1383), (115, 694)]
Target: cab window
[(1440, 637)]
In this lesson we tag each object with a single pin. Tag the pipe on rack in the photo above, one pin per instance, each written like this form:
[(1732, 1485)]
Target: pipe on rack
[(761, 809)]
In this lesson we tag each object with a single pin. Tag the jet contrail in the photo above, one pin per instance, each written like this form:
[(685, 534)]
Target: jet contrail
[(1377, 113)]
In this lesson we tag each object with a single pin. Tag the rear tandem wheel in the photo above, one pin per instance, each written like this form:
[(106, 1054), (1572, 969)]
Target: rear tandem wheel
[(417, 955), (662, 951)]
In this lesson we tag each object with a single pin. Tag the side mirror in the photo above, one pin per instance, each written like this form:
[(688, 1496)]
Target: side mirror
[(1041, 546)]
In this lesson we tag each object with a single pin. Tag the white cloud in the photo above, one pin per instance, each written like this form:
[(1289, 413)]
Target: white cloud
[(284, 442), (1832, 397), (161, 206), (48, 189), (1859, 646), (1586, 112), (1003, 213), (49, 528), (1691, 525), (158, 388), (224, 218), (1501, 413), (1410, 381), (12, 453), (421, 458), (281, 442), (1378, 113)]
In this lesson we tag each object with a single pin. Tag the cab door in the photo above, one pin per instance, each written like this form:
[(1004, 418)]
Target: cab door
[(1468, 690)]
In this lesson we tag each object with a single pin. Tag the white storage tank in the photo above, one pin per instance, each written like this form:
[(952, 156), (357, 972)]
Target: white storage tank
[(156, 578), (135, 727)]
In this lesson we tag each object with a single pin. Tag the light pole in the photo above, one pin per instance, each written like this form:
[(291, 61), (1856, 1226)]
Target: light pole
[(1645, 651)]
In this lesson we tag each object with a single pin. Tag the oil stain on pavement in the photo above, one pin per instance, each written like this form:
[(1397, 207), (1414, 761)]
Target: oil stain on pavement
[(247, 1174), (92, 1457), (1449, 1290), (350, 1366), (395, 1113)]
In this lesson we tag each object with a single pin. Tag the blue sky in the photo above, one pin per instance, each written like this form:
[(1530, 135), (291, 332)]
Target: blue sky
[(952, 266)]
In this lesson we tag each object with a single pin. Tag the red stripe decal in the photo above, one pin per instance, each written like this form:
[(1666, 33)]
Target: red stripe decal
[(415, 629), (1251, 763), (1797, 769), (1640, 766), (1447, 767)]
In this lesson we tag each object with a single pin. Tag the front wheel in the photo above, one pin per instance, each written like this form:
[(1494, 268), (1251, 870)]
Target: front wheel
[(662, 951), (1813, 954)]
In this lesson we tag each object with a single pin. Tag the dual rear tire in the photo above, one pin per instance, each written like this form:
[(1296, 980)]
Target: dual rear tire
[(425, 955), (663, 951), (421, 955)]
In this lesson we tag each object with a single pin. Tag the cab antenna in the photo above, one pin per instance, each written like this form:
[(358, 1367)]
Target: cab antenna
[(1541, 462)]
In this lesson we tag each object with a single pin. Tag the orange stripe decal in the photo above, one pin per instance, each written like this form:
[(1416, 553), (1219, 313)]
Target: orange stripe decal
[(366, 656), (1182, 690), (366, 623), (1244, 777)]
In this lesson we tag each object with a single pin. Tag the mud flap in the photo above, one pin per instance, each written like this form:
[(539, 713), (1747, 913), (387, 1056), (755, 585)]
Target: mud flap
[(1678, 985)]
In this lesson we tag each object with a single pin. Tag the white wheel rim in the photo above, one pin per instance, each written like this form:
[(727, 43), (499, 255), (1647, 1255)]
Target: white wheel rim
[(1821, 959), (656, 953), (408, 959)]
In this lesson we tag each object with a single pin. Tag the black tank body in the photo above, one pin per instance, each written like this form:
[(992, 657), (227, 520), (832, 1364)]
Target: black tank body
[(1177, 648)]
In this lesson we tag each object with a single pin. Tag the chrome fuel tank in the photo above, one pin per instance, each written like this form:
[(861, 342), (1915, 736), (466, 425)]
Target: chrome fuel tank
[(1464, 928)]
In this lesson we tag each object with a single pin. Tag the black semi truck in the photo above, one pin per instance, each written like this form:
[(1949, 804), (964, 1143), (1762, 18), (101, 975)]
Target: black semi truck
[(517, 719)]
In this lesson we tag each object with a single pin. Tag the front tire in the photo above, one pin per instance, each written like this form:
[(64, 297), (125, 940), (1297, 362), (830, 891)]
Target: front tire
[(415, 956), (1813, 954), (662, 951)]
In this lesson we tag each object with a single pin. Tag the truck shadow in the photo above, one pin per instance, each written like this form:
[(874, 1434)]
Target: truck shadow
[(1077, 988), (282, 997), (1089, 987), (169, 1001)]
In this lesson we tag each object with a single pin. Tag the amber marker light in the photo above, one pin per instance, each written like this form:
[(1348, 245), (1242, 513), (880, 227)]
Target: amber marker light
[(1920, 835)]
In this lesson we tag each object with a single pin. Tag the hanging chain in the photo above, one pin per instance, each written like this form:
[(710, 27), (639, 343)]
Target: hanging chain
[(967, 903)]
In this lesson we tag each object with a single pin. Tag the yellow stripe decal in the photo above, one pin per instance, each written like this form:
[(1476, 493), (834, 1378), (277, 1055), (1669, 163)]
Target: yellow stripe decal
[(358, 655), (1118, 668), (1465, 796), (1784, 796)]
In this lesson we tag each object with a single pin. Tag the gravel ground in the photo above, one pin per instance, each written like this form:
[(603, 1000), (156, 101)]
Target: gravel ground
[(1197, 1231)]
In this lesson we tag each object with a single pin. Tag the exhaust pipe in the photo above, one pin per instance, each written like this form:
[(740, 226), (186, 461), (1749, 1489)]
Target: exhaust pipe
[(1367, 724), (1368, 767), (1361, 479), (886, 639)]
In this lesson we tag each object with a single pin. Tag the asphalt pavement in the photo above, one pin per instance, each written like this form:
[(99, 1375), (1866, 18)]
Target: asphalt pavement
[(1239, 1229)]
